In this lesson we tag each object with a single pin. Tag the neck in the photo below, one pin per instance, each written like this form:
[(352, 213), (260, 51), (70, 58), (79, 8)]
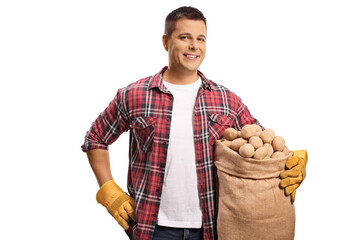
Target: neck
[(180, 78)]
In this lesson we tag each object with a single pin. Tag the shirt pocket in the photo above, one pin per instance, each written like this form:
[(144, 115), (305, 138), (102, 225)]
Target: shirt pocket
[(143, 129), (218, 123)]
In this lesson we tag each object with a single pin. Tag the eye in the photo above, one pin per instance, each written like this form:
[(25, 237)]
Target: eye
[(184, 37), (201, 39)]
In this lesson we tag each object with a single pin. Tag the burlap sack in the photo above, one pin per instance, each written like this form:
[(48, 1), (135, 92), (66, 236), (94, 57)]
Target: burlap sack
[(251, 205)]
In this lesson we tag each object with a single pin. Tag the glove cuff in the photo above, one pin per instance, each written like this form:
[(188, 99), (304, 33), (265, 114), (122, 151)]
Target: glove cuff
[(107, 192), (301, 154)]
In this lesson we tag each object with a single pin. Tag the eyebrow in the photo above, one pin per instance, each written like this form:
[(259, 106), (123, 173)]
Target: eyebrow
[(189, 34)]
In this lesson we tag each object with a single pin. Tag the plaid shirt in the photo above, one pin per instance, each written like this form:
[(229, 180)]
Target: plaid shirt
[(145, 108)]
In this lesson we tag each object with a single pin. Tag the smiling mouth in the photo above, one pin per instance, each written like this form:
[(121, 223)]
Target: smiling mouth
[(191, 56)]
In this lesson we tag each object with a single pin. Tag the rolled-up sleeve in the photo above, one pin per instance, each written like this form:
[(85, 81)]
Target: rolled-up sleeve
[(109, 125)]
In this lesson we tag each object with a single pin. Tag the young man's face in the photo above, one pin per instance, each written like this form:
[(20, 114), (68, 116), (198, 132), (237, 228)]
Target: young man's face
[(186, 45)]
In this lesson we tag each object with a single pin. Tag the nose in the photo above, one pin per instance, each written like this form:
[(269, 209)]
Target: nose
[(193, 45)]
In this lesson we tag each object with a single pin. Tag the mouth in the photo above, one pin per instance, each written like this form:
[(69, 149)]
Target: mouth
[(191, 56)]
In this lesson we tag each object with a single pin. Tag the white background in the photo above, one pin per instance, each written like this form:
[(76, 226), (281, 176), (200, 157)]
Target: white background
[(295, 64)]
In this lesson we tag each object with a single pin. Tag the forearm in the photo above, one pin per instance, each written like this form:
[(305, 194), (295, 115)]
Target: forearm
[(100, 163)]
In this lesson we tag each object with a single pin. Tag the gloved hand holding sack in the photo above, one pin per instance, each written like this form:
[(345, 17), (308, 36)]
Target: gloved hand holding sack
[(257, 180)]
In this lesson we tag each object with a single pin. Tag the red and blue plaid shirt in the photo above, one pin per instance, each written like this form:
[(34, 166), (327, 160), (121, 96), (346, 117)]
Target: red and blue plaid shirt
[(145, 108)]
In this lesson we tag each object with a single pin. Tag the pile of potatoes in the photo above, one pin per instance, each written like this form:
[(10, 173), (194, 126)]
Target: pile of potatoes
[(253, 142)]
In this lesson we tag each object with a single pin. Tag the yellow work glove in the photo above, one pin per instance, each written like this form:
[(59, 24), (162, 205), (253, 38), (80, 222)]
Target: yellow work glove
[(119, 204), (296, 173)]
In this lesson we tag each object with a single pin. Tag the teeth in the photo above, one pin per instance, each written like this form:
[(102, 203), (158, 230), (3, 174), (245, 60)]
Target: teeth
[(191, 56)]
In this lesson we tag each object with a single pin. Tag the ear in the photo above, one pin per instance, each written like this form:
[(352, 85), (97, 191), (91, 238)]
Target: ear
[(165, 40)]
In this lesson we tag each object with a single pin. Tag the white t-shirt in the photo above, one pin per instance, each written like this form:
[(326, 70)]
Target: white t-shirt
[(180, 205)]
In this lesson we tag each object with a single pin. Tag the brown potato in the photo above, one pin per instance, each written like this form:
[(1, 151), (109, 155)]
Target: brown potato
[(267, 135), (261, 153), (256, 142), (230, 134), (226, 143), (258, 128), (237, 143), (247, 150), (270, 149), (239, 134), (278, 155), (278, 144), (286, 151), (249, 130)]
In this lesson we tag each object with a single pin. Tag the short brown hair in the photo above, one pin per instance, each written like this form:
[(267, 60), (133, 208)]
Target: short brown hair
[(182, 12)]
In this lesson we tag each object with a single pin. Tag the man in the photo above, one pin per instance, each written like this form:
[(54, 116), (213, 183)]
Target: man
[(174, 118)]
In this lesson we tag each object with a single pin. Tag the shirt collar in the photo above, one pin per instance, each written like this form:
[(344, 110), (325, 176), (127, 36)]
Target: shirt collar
[(156, 81)]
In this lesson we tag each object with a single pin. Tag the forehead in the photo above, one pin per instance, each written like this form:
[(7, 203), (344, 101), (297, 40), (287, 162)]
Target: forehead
[(195, 27)]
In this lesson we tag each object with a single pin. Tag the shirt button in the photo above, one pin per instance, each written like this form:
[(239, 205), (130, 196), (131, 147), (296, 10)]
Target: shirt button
[(170, 98), (168, 118), (165, 142)]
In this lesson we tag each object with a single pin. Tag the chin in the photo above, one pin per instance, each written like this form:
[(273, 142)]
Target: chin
[(192, 68)]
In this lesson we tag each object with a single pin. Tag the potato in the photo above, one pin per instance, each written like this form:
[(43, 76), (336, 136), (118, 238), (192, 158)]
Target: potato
[(249, 130), (261, 153), (252, 142), (267, 135), (237, 143), (239, 134), (270, 149), (256, 142), (230, 134), (247, 150), (257, 128), (258, 134), (278, 144), (286, 151), (226, 142), (278, 155)]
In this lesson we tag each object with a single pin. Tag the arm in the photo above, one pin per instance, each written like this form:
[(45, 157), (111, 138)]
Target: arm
[(109, 125), (100, 163), (104, 131)]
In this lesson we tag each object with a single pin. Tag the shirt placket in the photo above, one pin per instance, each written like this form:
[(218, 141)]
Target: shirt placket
[(197, 142), (167, 107)]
